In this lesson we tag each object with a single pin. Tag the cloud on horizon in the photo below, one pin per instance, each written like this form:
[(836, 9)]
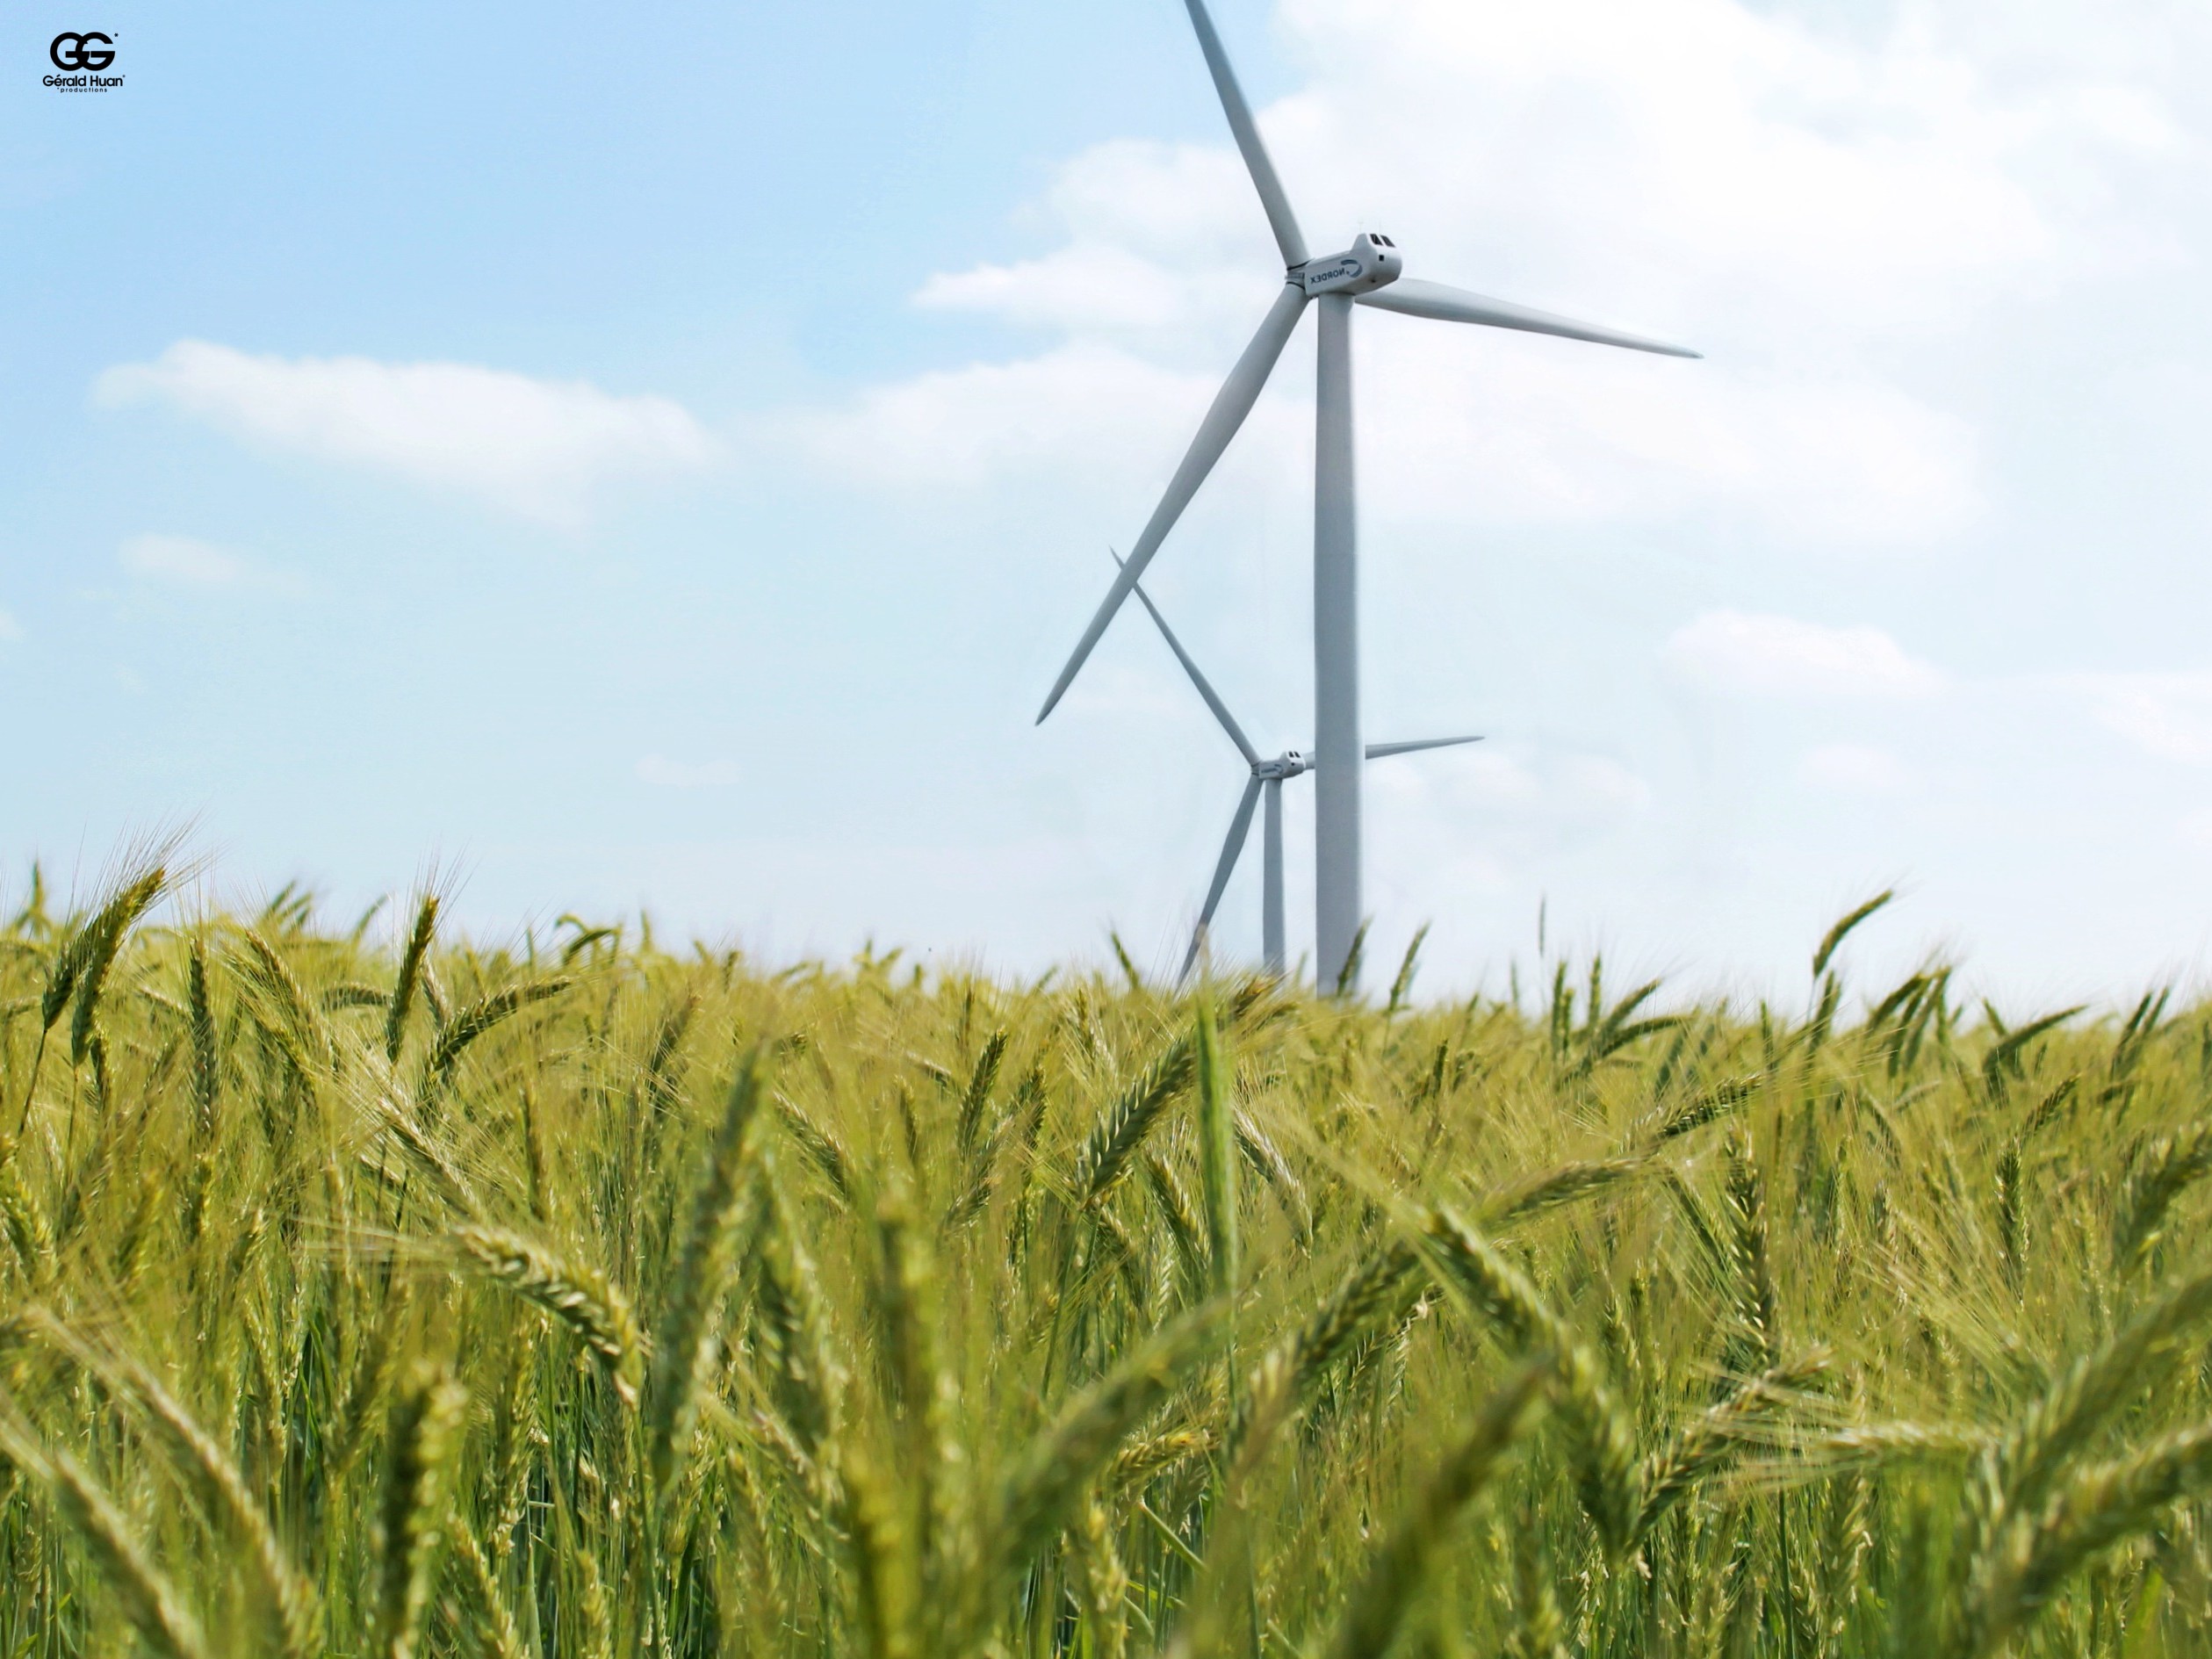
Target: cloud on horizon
[(663, 773), (181, 558), (1736, 652), (2167, 715), (539, 449), (1853, 768)]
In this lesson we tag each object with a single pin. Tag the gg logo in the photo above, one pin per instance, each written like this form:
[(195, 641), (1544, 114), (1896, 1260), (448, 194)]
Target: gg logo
[(77, 51)]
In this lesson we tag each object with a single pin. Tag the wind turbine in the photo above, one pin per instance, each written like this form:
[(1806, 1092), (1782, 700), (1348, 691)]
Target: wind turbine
[(1266, 785), (1367, 273)]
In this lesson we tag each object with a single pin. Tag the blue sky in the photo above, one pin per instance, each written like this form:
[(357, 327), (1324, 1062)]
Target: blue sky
[(662, 460)]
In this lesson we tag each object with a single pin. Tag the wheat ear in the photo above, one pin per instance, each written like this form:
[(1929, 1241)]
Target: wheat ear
[(480, 1017), (1397, 1570), (1174, 1205), (684, 1349), (2162, 1170), (1217, 1153), (425, 1438), (1715, 1437), (1119, 1133), (1375, 1290), (495, 1628), (410, 976), (975, 1100), (1049, 1476), (149, 1600), (2026, 1460), (1603, 1440), (97, 947), (883, 1574), (1550, 1188), (288, 1601), (597, 1617), (1105, 1581), (579, 1298), (2096, 1508), (805, 1377), (822, 1148), (1268, 1163), (206, 1064), (1751, 1269), (905, 1303)]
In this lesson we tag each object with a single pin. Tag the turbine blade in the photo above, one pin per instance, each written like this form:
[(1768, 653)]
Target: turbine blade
[(1272, 195), (1231, 404), (1213, 700), (1379, 751), (1240, 826), (1446, 304)]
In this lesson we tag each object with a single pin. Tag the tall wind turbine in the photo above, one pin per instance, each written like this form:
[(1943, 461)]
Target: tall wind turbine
[(1266, 785), (1367, 273)]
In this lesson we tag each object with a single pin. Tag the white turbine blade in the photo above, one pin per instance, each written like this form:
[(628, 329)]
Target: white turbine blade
[(1435, 299), (1239, 827), (1379, 751), (1213, 700), (1231, 404), (1271, 196)]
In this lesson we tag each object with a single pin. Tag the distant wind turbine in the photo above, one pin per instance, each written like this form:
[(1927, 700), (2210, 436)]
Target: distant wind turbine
[(1265, 784), (1367, 273)]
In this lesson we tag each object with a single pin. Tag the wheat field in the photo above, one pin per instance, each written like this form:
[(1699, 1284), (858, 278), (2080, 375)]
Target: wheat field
[(362, 1292)]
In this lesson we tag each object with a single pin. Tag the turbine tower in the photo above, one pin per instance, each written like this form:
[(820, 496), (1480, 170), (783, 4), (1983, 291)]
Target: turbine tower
[(1366, 273), (1264, 785)]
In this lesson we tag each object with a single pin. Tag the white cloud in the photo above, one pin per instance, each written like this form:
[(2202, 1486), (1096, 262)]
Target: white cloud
[(1508, 431), (184, 559), (1779, 176), (1158, 242), (2167, 715), (1526, 799), (1730, 651), (1853, 768), (1798, 204), (663, 773), (538, 448), (978, 426)]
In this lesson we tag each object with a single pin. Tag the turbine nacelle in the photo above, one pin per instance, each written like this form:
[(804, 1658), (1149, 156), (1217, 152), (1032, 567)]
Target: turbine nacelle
[(1290, 763), (1370, 263)]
